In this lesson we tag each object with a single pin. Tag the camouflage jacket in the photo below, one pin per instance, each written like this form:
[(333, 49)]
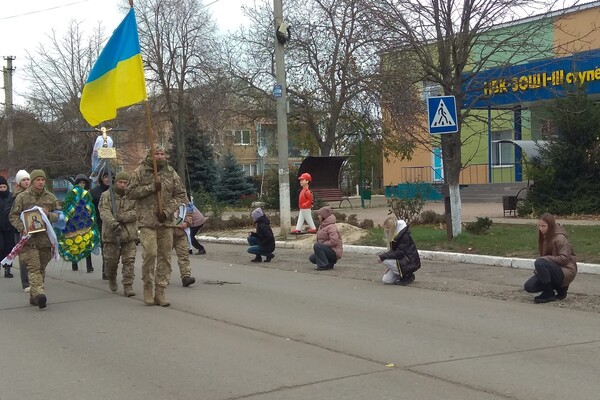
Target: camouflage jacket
[(125, 217), (25, 200), (141, 189)]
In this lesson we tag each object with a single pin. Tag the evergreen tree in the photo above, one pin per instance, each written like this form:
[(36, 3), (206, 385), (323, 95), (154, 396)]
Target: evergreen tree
[(202, 168), (199, 156), (232, 184), (566, 177)]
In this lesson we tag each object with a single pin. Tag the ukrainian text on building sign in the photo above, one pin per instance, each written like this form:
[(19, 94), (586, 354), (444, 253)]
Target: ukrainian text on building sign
[(536, 81)]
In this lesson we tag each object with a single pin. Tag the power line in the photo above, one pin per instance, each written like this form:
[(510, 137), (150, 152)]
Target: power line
[(44, 10)]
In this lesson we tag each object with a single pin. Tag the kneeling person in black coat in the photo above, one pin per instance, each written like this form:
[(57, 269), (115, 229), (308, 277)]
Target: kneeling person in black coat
[(262, 242), (402, 258)]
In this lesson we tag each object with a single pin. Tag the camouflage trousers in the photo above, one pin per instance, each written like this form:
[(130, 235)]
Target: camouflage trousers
[(157, 245), (127, 255), (181, 245), (36, 259)]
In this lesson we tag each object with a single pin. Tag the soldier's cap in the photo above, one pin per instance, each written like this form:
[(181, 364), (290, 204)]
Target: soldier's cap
[(158, 147), (36, 173), (122, 176)]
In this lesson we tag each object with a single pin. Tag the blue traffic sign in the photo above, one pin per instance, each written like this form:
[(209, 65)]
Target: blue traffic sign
[(441, 111), (277, 91)]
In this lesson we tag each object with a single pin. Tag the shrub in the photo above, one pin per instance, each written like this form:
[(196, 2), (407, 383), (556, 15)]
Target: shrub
[(430, 217), (480, 226), (352, 220), (367, 224), (207, 202), (407, 209)]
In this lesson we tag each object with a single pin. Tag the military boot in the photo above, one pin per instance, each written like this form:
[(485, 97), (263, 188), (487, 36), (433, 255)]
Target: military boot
[(148, 297), (112, 283), (128, 291), (159, 297)]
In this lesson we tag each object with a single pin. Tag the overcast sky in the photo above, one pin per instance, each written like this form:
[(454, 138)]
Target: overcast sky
[(25, 23)]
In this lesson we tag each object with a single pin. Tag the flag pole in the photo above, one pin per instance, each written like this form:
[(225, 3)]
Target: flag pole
[(150, 132)]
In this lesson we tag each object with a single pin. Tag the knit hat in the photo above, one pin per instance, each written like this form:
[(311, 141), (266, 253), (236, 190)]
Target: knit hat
[(37, 173), (158, 147), (22, 174), (325, 212), (257, 213), (84, 179), (3, 181), (122, 176)]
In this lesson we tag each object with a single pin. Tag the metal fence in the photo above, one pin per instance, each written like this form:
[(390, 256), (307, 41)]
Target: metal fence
[(471, 174)]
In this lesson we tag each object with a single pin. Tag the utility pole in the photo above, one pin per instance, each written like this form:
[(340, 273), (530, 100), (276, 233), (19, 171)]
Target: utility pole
[(282, 35), (8, 102)]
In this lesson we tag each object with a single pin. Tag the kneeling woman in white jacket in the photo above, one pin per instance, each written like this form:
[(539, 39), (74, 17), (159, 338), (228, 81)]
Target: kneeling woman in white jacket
[(402, 258)]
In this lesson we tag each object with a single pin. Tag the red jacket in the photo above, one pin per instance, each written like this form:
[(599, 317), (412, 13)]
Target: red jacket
[(305, 199)]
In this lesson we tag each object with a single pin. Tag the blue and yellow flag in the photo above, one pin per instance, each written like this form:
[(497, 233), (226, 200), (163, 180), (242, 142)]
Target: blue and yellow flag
[(117, 78)]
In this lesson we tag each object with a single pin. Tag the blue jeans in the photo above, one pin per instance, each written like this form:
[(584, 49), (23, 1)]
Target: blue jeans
[(255, 247), (546, 273), (324, 255)]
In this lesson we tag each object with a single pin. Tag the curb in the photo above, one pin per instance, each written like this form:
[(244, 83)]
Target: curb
[(495, 261)]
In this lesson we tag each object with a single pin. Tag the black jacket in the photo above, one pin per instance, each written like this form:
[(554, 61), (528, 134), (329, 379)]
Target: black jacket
[(6, 200), (264, 234), (404, 250), (96, 192)]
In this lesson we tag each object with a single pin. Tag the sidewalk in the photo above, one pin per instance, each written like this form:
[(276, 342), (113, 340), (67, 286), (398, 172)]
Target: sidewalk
[(470, 211), (378, 211)]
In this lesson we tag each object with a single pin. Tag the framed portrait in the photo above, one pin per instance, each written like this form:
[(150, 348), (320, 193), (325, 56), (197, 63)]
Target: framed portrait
[(33, 221)]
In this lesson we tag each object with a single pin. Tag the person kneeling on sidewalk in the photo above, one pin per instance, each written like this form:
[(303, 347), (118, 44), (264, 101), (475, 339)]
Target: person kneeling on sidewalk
[(329, 247), (262, 242), (556, 268), (402, 259)]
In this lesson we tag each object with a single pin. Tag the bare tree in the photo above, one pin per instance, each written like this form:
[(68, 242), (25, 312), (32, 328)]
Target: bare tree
[(446, 43), (178, 43), (57, 72), (331, 64)]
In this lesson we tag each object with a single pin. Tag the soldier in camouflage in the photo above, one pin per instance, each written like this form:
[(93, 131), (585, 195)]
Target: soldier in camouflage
[(122, 224), (181, 245), (156, 226), (37, 252)]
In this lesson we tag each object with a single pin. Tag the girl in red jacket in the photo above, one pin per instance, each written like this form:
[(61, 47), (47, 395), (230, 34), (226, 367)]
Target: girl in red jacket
[(305, 201)]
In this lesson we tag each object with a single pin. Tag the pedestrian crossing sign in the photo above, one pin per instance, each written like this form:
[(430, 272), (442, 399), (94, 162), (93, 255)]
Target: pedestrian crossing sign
[(441, 111)]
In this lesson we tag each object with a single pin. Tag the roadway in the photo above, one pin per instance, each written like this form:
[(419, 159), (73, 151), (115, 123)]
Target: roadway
[(284, 331)]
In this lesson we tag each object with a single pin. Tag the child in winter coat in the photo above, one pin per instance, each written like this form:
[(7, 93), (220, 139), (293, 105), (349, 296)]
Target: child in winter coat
[(402, 260), (329, 247), (262, 242)]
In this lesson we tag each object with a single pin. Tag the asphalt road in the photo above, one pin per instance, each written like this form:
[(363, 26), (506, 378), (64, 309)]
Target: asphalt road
[(283, 331)]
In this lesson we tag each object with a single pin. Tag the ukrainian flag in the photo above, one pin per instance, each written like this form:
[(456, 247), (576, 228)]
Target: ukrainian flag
[(117, 78)]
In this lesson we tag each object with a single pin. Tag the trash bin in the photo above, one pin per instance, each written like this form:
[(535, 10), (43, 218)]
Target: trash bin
[(509, 204), (366, 194)]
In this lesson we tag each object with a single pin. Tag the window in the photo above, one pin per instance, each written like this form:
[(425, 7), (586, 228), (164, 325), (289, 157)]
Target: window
[(502, 153), (548, 129), (250, 169), (242, 137), (431, 89)]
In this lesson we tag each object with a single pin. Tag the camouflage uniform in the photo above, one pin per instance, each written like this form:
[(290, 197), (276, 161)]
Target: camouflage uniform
[(181, 246), (37, 252), (126, 219), (156, 237)]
